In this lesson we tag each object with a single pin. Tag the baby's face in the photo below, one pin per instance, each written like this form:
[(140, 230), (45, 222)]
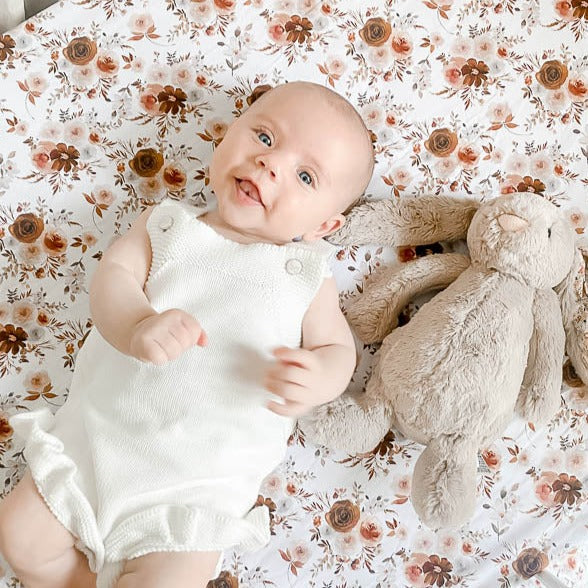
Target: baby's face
[(287, 167)]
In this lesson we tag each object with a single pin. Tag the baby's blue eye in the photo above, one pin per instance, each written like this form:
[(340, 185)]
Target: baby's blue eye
[(265, 138), (305, 177)]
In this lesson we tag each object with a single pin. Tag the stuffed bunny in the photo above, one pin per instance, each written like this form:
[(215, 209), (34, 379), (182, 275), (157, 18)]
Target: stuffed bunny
[(491, 344)]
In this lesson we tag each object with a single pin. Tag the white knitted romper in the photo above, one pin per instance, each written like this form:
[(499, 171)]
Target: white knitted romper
[(144, 458)]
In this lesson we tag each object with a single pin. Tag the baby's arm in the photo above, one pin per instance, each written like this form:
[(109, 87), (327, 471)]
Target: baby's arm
[(121, 310), (321, 369)]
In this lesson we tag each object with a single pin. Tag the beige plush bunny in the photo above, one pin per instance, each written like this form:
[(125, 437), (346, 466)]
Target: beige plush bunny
[(491, 344)]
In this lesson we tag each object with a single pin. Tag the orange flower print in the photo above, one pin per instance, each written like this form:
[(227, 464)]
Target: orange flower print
[(567, 489), (225, 6), (529, 562), (552, 74), (580, 9), (148, 98), (343, 516), (577, 88), (224, 580), (64, 157), (54, 243), (12, 339), (174, 176), (107, 64), (80, 51), (370, 531), (401, 45), (474, 72), (27, 227), (171, 99), (491, 458), (298, 29), (441, 142), (531, 185), (5, 428), (437, 571), (376, 32), (564, 9), (468, 155)]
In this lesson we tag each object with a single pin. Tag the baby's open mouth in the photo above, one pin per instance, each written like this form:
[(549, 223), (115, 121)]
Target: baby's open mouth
[(250, 189)]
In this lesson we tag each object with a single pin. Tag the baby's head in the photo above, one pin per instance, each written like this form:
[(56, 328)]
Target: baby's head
[(291, 164)]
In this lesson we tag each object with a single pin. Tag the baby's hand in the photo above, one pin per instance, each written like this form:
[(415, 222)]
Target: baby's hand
[(296, 377), (159, 338)]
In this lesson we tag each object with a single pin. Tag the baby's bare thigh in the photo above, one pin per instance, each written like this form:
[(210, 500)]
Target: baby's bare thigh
[(192, 569), (28, 529)]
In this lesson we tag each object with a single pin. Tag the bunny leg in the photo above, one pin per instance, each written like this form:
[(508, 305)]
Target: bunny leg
[(444, 482)]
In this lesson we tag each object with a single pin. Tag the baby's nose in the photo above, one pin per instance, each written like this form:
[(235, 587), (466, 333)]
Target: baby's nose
[(269, 164)]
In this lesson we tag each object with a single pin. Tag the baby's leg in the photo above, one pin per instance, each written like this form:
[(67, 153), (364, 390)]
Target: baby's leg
[(36, 545), (191, 569)]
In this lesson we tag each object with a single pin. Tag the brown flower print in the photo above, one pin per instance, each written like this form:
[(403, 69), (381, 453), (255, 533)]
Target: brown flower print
[(146, 163), (386, 444), (258, 91), (474, 72), (171, 99), (12, 339), (552, 74), (27, 227), (343, 516), (580, 8), (530, 185), (376, 32), (225, 580), (567, 489), (6, 430), (65, 157), (80, 51), (441, 143), (437, 571), (529, 562), (7, 44), (298, 29), (570, 376)]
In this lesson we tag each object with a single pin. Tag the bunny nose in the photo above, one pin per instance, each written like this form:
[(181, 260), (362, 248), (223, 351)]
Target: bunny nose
[(512, 222)]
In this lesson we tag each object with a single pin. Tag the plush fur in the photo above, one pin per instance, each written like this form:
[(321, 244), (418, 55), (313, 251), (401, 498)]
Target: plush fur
[(491, 344)]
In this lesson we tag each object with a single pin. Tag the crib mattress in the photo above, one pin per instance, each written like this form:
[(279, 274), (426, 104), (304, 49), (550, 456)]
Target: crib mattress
[(107, 107)]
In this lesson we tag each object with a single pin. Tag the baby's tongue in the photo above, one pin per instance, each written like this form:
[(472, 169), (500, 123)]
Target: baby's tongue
[(250, 189)]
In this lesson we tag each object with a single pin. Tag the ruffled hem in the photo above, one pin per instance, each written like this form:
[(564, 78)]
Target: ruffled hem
[(165, 527), (186, 528), (54, 475)]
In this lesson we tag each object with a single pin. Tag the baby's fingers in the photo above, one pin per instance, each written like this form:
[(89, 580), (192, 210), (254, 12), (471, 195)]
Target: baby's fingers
[(197, 334)]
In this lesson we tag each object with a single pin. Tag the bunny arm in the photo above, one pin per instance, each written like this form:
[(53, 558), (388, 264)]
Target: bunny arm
[(573, 295), (407, 221), (374, 314), (539, 397)]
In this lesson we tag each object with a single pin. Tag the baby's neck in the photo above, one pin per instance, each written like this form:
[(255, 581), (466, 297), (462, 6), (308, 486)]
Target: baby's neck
[(215, 221)]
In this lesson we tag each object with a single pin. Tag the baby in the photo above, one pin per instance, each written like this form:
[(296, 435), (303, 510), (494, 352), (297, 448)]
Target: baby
[(213, 331)]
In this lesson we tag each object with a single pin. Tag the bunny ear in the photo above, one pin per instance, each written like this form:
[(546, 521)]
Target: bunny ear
[(573, 295)]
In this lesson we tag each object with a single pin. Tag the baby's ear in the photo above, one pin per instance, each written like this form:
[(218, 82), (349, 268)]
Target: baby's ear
[(329, 226)]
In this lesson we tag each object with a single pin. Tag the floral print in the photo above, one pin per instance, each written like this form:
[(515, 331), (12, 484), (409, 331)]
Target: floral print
[(107, 108)]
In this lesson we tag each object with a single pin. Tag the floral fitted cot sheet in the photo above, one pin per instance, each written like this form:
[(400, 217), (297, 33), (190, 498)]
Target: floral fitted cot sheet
[(109, 106)]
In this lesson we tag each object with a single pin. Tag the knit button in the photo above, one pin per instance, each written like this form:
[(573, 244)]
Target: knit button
[(293, 266), (166, 223)]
